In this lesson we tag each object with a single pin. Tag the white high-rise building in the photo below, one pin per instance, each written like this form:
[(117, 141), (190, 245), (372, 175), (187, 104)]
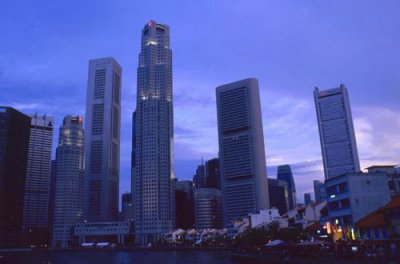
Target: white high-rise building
[(153, 177), (241, 149), (336, 132), (102, 140), (68, 205)]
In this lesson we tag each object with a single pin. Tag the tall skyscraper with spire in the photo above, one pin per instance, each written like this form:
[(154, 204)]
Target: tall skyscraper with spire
[(102, 140), (68, 207), (154, 170), (336, 132)]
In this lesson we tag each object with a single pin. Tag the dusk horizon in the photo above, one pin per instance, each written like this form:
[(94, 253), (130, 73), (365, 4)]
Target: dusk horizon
[(291, 48)]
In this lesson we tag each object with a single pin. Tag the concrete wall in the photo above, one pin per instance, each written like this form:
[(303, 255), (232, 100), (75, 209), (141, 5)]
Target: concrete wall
[(368, 192)]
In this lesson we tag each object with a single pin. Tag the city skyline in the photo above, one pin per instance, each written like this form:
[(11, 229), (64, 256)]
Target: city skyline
[(309, 53)]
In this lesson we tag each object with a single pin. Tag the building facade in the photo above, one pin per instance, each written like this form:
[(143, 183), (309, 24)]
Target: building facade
[(208, 208), (393, 174), (184, 203), (102, 140), (37, 185), (336, 132), (14, 144), (213, 179), (241, 149), (199, 179), (52, 196), (354, 195), (133, 157), (108, 232), (128, 213), (68, 205), (285, 174), (154, 133), (307, 199), (319, 191), (264, 218), (278, 195), (381, 224)]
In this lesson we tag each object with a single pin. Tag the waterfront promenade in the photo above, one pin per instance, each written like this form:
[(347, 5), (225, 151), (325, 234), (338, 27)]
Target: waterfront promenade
[(193, 255)]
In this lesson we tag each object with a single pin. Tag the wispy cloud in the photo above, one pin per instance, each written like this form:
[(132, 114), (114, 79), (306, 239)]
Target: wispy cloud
[(377, 133)]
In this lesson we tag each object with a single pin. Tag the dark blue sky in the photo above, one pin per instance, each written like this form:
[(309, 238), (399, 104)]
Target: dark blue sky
[(290, 46)]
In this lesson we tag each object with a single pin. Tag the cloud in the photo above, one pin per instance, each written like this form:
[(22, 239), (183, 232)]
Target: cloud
[(24, 107), (195, 119), (290, 130), (377, 135)]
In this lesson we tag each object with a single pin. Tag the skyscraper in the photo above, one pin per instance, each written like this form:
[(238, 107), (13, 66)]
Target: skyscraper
[(307, 199), (199, 179), (154, 177), (241, 149), (37, 185), (14, 144), (336, 132), (208, 208), (184, 202), (128, 213), (212, 174), (68, 206), (285, 174), (102, 140), (278, 195)]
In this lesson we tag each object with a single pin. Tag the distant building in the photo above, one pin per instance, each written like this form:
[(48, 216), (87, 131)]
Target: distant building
[(14, 144), (264, 217), (68, 206), (336, 132), (208, 208), (305, 216), (278, 195), (37, 185), (207, 175), (319, 191), (128, 213), (307, 199), (213, 179), (199, 179), (102, 140), (285, 174), (105, 232), (241, 149), (354, 195), (184, 202)]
